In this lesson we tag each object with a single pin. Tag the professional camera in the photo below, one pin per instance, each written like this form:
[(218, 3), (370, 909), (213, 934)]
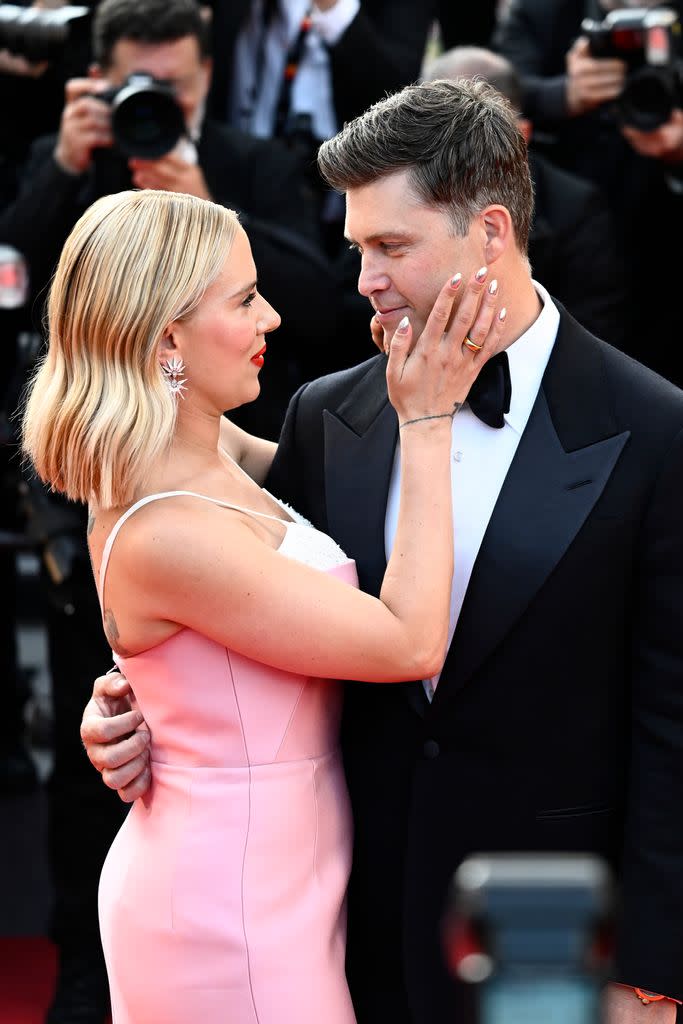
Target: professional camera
[(647, 40), (146, 120), (41, 35)]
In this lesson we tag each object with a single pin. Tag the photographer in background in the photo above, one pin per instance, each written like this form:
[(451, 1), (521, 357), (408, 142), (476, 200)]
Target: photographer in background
[(571, 96), (34, 85), (260, 179)]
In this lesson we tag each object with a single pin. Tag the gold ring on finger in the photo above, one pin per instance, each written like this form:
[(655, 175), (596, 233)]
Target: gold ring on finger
[(472, 346)]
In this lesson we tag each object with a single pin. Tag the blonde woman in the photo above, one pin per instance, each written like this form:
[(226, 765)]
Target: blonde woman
[(223, 895)]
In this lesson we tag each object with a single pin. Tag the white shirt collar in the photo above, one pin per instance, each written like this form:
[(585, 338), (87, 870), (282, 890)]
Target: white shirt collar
[(528, 357)]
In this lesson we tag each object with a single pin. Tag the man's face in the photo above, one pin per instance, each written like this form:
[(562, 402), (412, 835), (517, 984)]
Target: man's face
[(179, 63), (408, 250)]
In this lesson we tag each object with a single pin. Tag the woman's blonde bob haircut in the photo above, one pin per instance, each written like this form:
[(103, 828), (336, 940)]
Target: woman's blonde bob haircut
[(98, 412)]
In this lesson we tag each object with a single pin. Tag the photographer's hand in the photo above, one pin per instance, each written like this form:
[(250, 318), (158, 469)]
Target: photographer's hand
[(171, 173), (664, 143), (85, 125), (12, 64), (591, 81)]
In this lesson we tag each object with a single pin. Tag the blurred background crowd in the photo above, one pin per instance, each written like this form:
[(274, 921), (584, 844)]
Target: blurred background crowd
[(229, 101)]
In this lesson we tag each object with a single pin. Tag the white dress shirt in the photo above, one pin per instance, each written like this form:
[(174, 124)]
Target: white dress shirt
[(481, 457), (255, 103)]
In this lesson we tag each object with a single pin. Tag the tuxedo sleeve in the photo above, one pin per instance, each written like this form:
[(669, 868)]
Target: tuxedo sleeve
[(650, 929), (283, 478)]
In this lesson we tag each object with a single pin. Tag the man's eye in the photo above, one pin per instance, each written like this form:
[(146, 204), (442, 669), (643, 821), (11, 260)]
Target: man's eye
[(249, 299)]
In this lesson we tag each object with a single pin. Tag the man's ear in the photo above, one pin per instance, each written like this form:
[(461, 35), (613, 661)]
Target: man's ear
[(526, 128), (499, 234)]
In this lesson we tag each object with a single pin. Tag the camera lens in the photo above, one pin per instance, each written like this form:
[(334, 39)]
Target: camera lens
[(648, 99), (146, 119)]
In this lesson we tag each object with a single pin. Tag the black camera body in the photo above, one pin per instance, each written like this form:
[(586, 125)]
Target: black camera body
[(648, 41), (146, 119)]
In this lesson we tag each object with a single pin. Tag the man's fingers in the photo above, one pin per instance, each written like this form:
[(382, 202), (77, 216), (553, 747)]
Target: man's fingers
[(96, 729), (138, 787), (122, 777), (112, 757), (113, 684)]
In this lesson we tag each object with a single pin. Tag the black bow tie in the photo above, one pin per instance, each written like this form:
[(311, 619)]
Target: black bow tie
[(490, 395)]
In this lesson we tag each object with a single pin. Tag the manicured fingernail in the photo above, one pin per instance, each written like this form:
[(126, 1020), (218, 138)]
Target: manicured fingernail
[(481, 274), (493, 287), (403, 326), (503, 313), (455, 281)]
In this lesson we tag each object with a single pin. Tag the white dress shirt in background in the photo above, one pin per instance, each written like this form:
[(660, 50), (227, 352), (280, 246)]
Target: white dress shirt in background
[(255, 103)]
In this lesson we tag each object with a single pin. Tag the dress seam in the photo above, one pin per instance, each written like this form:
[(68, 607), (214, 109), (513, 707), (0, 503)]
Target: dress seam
[(246, 840)]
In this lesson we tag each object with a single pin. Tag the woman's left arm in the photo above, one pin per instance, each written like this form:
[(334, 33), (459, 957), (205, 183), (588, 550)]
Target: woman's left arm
[(253, 454)]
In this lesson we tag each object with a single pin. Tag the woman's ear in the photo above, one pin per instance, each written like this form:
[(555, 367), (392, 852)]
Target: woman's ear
[(499, 233), (167, 348)]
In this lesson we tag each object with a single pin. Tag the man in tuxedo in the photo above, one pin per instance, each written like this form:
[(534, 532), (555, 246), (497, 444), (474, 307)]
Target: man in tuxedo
[(556, 722)]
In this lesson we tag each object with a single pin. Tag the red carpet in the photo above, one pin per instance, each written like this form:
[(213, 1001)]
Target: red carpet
[(27, 976)]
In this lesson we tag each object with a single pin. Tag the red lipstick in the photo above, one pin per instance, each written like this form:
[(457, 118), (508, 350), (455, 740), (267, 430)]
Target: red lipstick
[(258, 359)]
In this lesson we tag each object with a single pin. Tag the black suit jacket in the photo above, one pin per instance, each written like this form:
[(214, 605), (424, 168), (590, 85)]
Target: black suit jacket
[(386, 40), (558, 721)]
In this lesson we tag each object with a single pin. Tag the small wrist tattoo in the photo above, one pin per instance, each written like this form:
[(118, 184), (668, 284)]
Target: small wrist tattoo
[(435, 416)]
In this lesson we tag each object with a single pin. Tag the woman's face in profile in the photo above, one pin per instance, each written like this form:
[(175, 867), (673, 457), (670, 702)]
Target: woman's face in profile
[(222, 343)]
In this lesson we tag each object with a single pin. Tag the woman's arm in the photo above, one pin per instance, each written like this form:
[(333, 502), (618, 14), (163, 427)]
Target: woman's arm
[(202, 567), (253, 454)]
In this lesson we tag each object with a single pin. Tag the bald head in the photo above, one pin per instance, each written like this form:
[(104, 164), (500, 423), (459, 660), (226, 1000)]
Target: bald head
[(471, 62)]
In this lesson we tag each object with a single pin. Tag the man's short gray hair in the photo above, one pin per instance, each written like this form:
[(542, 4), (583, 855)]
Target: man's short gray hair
[(458, 140)]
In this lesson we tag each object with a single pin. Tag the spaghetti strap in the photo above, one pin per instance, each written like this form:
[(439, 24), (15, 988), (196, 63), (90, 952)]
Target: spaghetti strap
[(109, 543)]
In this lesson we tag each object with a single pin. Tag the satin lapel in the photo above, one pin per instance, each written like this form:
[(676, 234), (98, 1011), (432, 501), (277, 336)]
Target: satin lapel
[(360, 440), (547, 496)]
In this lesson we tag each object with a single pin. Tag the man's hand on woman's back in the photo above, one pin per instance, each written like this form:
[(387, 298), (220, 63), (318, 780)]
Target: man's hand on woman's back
[(116, 737)]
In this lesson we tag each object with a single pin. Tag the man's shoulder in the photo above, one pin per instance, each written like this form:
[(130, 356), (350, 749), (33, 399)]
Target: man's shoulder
[(332, 389), (636, 393)]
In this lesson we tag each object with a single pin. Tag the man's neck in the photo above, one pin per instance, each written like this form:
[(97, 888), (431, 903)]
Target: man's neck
[(524, 306)]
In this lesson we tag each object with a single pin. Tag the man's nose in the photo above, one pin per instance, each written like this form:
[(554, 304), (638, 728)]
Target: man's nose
[(372, 279)]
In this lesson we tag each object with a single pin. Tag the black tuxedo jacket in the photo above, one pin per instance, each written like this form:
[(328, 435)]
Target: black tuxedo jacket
[(385, 40), (557, 724)]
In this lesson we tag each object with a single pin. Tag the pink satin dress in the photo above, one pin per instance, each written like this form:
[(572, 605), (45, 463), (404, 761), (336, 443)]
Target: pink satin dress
[(223, 897)]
